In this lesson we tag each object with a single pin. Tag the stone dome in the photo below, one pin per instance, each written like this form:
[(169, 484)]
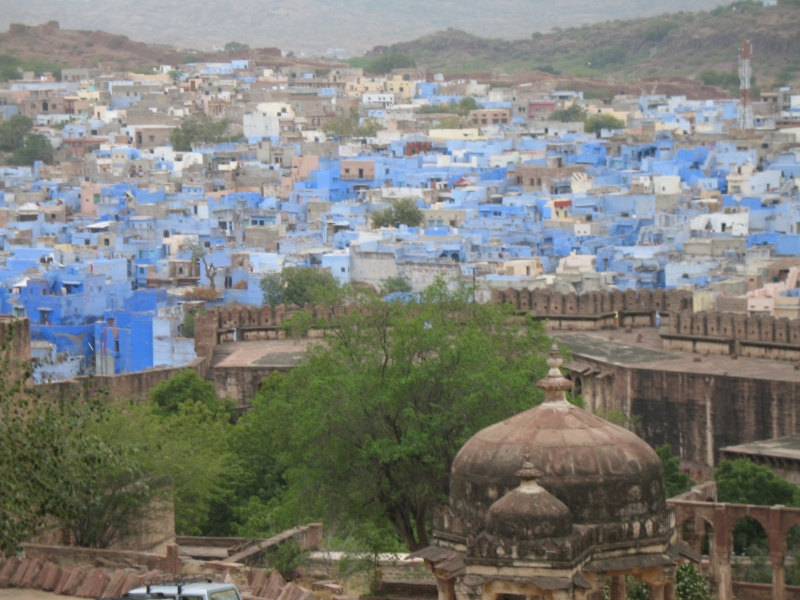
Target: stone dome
[(529, 511), (604, 474)]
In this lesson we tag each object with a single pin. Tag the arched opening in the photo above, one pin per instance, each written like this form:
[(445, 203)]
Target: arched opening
[(45, 107), (792, 561), (750, 562)]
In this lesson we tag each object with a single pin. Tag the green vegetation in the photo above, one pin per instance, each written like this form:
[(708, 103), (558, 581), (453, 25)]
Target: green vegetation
[(200, 129), (403, 211), (351, 126), (365, 429), (675, 481), (605, 56), (572, 114), (742, 481), (596, 123), (236, 46), (25, 147), (462, 108), (382, 65), (14, 131), (12, 67), (392, 285), (659, 29), (36, 147), (296, 285), (682, 44)]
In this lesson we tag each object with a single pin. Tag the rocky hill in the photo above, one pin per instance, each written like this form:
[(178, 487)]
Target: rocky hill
[(315, 26), (698, 45), (47, 47)]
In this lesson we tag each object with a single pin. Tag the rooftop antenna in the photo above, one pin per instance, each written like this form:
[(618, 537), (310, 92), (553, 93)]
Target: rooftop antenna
[(745, 120)]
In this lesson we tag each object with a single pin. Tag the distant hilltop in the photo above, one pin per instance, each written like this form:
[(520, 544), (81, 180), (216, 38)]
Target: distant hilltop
[(701, 45), (315, 27)]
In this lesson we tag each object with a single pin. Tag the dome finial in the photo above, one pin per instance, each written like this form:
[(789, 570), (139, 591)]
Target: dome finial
[(528, 473), (555, 384)]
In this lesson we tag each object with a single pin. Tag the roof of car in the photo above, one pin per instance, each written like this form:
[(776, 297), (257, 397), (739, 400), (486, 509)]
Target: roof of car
[(186, 588)]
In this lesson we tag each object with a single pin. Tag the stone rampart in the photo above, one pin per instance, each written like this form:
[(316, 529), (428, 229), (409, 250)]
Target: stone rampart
[(732, 333)]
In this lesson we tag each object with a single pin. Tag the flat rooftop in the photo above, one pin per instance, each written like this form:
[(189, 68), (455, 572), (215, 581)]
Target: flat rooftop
[(261, 353), (784, 447), (621, 348)]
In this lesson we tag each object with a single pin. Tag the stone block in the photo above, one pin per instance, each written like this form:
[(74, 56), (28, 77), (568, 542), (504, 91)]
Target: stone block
[(292, 592), (31, 573), (19, 574), (332, 587), (273, 588), (94, 584), (132, 581), (8, 570), (70, 581), (48, 577), (114, 587), (257, 578)]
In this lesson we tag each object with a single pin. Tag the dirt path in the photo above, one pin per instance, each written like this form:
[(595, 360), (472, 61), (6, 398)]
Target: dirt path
[(15, 594)]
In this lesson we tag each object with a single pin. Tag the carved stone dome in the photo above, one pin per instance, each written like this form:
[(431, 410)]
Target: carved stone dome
[(602, 473), (529, 512)]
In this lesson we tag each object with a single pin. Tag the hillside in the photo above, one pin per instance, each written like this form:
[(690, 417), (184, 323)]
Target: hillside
[(682, 44), (314, 26), (47, 47)]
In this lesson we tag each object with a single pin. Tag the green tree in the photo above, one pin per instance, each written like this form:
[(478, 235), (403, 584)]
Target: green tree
[(658, 29), (367, 428), (403, 211), (466, 104), (742, 481), (13, 132), (447, 123), (351, 125), (236, 46), (675, 481), (392, 285), (572, 114), (691, 585), (296, 285), (185, 455), (50, 456), (596, 123), (200, 129), (35, 147), (185, 386)]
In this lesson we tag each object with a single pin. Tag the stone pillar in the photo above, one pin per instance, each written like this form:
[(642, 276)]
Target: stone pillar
[(446, 589), (172, 562), (723, 537), (656, 591), (778, 581), (617, 588), (777, 552), (669, 590)]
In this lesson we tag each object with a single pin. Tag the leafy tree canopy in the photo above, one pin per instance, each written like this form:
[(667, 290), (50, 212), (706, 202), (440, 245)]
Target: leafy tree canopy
[(742, 481), (13, 132), (35, 147), (185, 386), (296, 285), (351, 126), (393, 285), (676, 481), (596, 123), (367, 428), (236, 46), (200, 129), (572, 114), (403, 211)]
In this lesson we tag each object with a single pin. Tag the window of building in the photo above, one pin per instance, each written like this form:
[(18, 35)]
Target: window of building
[(106, 242), (116, 345)]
